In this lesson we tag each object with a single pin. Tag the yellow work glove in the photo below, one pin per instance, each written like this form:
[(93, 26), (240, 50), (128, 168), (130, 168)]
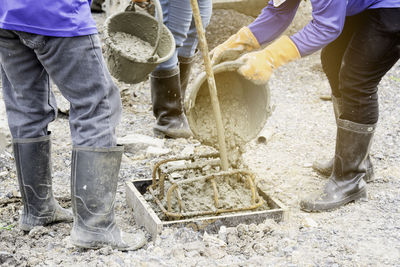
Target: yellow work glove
[(239, 43), (258, 66)]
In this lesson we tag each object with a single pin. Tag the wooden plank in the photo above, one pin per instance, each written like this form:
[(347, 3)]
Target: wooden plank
[(142, 212)]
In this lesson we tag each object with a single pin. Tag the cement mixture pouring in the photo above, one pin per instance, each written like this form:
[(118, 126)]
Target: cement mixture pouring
[(212, 85), (245, 107), (209, 183)]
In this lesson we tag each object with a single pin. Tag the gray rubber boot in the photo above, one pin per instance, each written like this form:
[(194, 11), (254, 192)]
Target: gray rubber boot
[(325, 167), (347, 181), (167, 104), (33, 162), (94, 185)]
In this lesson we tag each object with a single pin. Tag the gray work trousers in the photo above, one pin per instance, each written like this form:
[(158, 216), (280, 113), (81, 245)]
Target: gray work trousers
[(77, 67)]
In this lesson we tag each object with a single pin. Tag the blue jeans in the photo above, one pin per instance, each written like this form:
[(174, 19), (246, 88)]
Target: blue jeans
[(76, 66), (178, 17)]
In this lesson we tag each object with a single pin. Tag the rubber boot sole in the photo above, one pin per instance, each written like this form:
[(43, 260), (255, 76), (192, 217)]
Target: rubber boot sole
[(133, 241), (101, 245), (173, 135), (320, 207)]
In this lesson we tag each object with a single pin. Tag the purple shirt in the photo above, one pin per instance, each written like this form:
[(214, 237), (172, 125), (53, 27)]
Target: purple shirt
[(326, 25), (61, 18)]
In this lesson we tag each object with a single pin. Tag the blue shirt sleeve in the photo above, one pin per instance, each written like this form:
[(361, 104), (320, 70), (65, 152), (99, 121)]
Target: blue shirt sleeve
[(327, 22), (273, 21)]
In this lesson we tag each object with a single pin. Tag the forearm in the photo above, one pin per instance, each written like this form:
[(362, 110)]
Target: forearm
[(273, 21), (326, 25)]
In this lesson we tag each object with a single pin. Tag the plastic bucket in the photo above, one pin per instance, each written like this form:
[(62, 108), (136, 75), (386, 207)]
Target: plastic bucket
[(124, 66), (244, 106)]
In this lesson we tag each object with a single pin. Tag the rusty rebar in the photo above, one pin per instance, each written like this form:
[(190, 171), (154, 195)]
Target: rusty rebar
[(162, 181), (214, 185), (179, 198), (243, 176), (157, 170), (169, 192)]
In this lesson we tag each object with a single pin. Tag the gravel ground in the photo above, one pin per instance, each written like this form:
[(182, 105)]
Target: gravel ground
[(302, 129)]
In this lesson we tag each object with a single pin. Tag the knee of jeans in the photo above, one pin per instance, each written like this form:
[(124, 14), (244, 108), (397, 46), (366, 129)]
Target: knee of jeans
[(170, 63), (188, 50)]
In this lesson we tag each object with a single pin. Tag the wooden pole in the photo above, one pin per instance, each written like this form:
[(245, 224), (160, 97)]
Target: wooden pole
[(211, 85)]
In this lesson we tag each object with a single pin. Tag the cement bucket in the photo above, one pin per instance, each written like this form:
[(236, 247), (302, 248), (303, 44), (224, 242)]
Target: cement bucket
[(244, 106), (124, 66)]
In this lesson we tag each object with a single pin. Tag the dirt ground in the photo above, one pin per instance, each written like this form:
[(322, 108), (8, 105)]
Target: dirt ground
[(302, 129)]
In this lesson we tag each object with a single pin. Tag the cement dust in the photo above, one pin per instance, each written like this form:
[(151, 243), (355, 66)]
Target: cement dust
[(131, 45)]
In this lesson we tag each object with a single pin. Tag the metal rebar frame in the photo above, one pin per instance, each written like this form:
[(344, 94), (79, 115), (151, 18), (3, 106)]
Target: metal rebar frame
[(161, 174)]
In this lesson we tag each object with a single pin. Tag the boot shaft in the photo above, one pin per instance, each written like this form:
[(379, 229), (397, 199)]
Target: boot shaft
[(33, 162), (353, 142), (33, 165), (94, 185), (347, 181), (185, 67), (166, 94), (94, 181)]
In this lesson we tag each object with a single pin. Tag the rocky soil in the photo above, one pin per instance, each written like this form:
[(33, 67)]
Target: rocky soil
[(300, 130)]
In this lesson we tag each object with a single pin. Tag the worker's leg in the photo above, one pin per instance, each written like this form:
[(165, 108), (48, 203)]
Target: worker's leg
[(372, 51), (331, 60), (77, 66), (189, 45), (187, 51), (332, 54), (178, 18), (30, 106), (166, 93)]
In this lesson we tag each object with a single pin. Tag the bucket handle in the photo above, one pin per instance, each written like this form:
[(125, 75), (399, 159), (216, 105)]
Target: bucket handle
[(159, 18), (160, 24)]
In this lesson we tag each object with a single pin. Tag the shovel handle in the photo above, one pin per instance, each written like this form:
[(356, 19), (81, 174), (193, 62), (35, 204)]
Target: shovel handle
[(211, 85)]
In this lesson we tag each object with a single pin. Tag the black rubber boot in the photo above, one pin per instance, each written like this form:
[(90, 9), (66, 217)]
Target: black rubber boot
[(185, 68), (97, 6), (167, 104), (347, 181), (94, 185), (33, 162), (325, 167)]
